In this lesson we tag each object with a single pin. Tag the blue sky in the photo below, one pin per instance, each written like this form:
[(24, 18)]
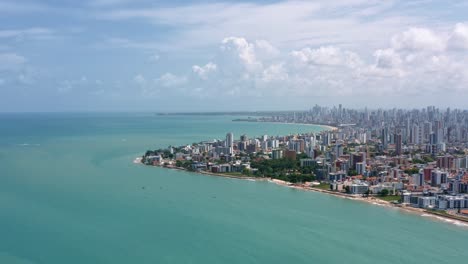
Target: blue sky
[(138, 55)]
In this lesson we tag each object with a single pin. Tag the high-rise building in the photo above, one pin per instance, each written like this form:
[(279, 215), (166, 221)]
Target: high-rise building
[(277, 154), (384, 135), (438, 178), (338, 150), (230, 142), (439, 132), (415, 135), (297, 145), (244, 137), (418, 178), (427, 129), (398, 144)]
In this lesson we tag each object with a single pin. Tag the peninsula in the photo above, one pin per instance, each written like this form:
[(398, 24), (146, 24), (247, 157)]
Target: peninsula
[(414, 160)]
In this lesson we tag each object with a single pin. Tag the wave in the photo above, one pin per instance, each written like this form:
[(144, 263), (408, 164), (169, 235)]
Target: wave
[(446, 220), (28, 145)]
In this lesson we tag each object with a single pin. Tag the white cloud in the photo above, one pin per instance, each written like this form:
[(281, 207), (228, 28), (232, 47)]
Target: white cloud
[(265, 49), (275, 72), (416, 62), (11, 61), (244, 50), (387, 58), (459, 36), (418, 39), (170, 80), (204, 71), (326, 56), (36, 32), (295, 24), (139, 79)]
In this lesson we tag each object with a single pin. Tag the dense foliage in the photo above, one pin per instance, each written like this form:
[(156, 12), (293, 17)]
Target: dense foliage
[(284, 169), (412, 171)]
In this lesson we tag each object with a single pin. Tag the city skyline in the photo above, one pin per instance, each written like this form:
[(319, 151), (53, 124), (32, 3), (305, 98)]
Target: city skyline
[(192, 56)]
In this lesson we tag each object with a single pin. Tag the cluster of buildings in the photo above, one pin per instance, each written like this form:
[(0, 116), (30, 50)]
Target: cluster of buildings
[(418, 154)]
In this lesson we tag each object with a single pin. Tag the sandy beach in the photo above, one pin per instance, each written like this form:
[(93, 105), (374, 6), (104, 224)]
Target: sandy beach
[(369, 200)]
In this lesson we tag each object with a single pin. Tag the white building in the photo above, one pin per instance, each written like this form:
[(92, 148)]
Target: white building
[(230, 142)]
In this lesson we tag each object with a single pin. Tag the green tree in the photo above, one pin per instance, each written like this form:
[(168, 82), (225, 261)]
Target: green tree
[(383, 192), (412, 171), (347, 189)]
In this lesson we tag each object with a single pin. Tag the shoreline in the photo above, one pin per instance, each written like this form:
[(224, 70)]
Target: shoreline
[(370, 200)]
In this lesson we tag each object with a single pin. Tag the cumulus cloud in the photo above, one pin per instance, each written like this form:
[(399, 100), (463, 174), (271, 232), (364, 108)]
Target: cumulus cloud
[(204, 71), (418, 39), (417, 61), (459, 37), (275, 72), (326, 56), (244, 50), (387, 59)]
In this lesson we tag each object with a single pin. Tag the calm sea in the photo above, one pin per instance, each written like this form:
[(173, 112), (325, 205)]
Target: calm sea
[(69, 193)]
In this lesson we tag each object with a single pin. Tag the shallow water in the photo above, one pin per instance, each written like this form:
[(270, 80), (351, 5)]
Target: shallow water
[(70, 193)]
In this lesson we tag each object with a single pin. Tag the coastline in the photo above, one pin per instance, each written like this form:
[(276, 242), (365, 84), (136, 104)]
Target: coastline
[(370, 200)]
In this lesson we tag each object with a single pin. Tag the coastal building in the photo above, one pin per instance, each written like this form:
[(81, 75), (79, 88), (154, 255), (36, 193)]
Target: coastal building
[(426, 201), (358, 188), (153, 160), (445, 202), (438, 177), (337, 176)]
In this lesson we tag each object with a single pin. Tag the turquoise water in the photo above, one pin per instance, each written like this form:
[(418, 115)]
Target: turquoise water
[(69, 193)]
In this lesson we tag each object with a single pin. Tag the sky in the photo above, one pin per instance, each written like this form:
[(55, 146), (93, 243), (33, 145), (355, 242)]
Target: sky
[(178, 56)]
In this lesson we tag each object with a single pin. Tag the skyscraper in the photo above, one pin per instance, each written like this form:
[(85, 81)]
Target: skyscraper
[(384, 137), (415, 135), (230, 142), (398, 144)]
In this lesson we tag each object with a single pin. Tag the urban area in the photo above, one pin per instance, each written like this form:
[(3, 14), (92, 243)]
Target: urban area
[(413, 158)]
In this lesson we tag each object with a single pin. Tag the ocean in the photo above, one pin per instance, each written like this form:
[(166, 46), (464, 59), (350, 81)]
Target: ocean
[(70, 193)]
